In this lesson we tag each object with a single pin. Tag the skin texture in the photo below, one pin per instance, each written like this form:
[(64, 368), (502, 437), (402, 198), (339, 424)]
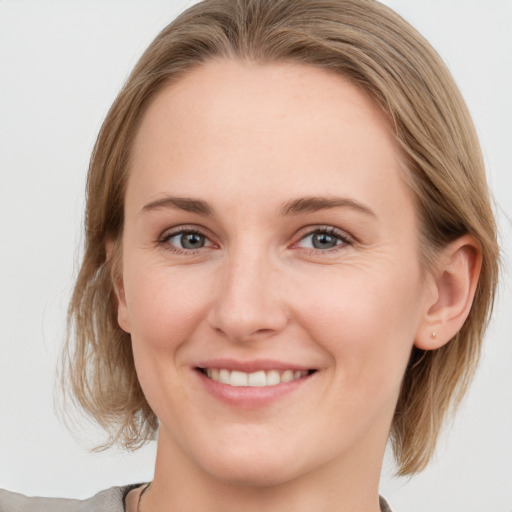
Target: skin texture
[(248, 140)]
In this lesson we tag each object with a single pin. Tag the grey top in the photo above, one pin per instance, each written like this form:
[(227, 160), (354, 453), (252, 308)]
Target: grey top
[(110, 500)]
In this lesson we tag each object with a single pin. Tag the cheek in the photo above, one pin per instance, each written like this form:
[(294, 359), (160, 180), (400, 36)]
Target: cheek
[(165, 309), (164, 306), (366, 321)]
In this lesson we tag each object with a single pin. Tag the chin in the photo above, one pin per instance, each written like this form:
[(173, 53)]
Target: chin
[(257, 468), (254, 474)]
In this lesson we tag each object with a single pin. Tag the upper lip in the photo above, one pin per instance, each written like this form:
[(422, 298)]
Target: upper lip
[(251, 366)]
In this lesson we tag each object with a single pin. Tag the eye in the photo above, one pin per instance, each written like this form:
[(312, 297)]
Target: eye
[(185, 240), (323, 239)]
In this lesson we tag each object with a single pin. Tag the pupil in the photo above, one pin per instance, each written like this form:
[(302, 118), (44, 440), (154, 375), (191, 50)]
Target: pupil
[(324, 241), (192, 241)]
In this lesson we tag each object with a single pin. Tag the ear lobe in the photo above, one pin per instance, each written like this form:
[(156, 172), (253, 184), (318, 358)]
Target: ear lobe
[(455, 281), (123, 317), (109, 248), (114, 256)]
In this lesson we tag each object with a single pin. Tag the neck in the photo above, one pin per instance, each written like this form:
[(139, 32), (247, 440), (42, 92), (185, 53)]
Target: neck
[(348, 485)]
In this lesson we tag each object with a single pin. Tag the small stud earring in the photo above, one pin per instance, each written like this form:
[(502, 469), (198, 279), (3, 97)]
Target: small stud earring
[(434, 334)]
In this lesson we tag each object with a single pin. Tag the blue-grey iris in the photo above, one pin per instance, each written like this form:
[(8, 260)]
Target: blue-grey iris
[(192, 241), (324, 241)]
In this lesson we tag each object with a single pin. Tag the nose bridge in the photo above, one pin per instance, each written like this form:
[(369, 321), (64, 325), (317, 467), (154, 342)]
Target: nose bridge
[(248, 303)]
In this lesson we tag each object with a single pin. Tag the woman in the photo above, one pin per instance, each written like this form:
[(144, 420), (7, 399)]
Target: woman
[(290, 256)]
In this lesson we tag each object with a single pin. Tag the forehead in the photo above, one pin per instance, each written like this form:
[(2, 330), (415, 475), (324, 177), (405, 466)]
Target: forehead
[(274, 128)]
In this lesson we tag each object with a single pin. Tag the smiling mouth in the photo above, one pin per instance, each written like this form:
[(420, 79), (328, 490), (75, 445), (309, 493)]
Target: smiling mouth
[(258, 379)]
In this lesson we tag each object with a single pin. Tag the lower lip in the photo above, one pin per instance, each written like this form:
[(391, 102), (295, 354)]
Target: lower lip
[(248, 397)]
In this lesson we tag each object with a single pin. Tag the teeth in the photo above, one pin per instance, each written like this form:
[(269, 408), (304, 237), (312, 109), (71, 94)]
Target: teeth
[(273, 378), (287, 376), (257, 379), (224, 376), (238, 379), (260, 378)]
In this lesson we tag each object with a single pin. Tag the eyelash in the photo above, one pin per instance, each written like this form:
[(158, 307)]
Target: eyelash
[(167, 236), (341, 236)]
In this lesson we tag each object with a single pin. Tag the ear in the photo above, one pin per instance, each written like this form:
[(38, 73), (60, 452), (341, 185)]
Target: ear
[(454, 285), (113, 255)]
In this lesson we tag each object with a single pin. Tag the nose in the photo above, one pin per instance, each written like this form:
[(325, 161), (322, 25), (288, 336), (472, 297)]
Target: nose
[(249, 304)]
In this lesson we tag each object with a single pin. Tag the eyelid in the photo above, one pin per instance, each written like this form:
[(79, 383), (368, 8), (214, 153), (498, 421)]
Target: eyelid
[(340, 234), (169, 233)]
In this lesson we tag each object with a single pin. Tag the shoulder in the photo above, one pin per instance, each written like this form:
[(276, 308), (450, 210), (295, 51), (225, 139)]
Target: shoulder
[(384, 507), (109, 500)]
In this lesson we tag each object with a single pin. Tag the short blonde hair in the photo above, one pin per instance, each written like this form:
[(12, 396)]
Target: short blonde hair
[(378, 51)]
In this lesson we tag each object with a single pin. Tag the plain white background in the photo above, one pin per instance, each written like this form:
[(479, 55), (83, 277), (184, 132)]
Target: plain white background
[(61, 64)]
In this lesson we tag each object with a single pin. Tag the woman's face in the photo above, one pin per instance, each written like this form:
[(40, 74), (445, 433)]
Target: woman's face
[(270, 280)]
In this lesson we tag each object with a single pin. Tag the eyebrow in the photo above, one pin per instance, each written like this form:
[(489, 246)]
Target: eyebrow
[(180, 203), (314, 204), (293, 207)]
